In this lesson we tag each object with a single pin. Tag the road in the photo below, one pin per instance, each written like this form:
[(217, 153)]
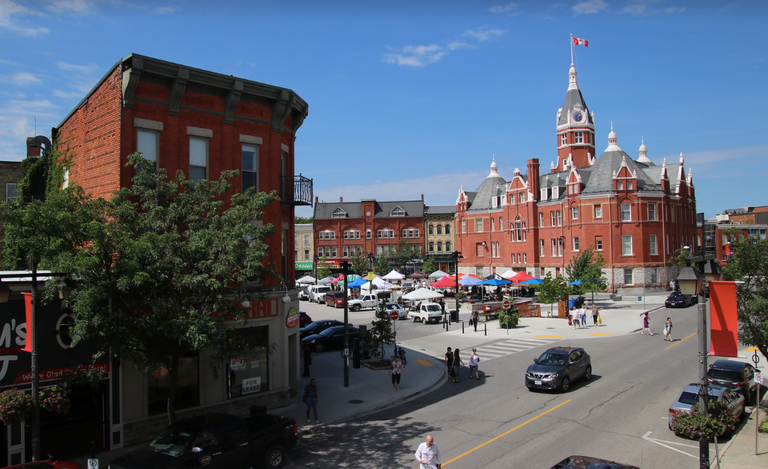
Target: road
[(495, 422)]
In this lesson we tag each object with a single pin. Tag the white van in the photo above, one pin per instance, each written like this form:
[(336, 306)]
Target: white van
[(316, 293)]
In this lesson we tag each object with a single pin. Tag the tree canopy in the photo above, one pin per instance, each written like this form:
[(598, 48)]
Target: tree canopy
[(587, 267), (158, 269)]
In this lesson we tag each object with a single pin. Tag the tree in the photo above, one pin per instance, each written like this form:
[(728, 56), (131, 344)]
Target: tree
[(360, 264), (552, 290), (381, 328), (429, 265), (322, 268), (680, 258), (750, 265), (587, 267), (160, 267), (302, 220)]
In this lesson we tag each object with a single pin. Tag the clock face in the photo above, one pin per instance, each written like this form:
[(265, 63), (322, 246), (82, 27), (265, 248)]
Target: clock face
[(577, 116), (367, 214)]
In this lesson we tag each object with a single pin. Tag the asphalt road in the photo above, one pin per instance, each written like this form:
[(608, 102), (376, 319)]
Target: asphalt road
[(495, 422)]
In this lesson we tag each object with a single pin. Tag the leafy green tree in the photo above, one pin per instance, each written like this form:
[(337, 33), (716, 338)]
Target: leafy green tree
[(381, 328), (322, 268), (680, 258), (159, 268), (587, 267), (552, 290), (360, 264), (428, 266), (750, 265)]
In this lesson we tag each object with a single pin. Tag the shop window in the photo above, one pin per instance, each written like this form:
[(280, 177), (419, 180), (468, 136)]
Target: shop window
[(187, 389), (249, 373)]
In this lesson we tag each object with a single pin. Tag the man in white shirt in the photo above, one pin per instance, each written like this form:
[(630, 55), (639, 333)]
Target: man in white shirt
[(428, 455)]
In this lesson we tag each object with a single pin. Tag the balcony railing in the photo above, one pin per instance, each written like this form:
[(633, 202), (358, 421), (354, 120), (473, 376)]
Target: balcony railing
[(296, 190)]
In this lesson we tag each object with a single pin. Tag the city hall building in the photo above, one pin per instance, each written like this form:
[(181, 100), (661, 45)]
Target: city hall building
[(633, 212)]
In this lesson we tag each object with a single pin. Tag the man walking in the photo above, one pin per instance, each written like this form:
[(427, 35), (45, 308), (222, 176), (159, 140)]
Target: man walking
[(474, 318), (428, 455), (311, 398)]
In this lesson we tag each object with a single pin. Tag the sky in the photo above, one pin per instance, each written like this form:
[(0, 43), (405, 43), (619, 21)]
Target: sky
[(419, 97)]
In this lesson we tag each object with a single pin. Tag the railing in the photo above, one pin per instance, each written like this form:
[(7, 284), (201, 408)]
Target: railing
[(296, 190)]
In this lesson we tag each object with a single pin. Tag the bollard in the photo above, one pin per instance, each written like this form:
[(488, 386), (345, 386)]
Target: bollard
[(462, 327), (485, 328)]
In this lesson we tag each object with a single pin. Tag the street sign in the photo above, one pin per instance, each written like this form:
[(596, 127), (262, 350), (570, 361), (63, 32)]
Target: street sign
[(759, 378), (506, 304), (93, 464), (394, 315)]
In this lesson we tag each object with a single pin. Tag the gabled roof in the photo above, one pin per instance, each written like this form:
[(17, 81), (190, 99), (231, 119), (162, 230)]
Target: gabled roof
[(608, 164), (325, 210)]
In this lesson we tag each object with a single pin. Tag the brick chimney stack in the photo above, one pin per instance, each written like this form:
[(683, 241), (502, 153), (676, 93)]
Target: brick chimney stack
[(533, 178)]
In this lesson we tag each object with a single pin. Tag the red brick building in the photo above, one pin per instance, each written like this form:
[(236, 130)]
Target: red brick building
[(342, 229), (633, 212), (201, 123), (749, 222)]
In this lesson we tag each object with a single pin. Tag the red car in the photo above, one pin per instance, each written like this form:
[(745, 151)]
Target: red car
[(335, 299), (47, 465)]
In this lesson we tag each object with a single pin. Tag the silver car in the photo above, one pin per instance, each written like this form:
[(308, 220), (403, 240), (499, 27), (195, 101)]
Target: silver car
[(401, 313), (690, 396)]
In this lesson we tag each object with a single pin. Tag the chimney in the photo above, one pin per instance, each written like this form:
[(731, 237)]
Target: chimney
[(533, 178), (422, 198), (341, 199), (33, 148)]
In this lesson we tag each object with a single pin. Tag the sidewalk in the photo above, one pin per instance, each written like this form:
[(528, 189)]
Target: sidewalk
[(370, 390)]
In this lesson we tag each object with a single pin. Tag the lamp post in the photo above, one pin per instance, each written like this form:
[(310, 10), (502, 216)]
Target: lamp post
[(314, 260), (345, 271), (691, 280), (456, 255)]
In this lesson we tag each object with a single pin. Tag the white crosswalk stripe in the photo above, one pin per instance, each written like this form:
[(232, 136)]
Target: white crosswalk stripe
[(508, 347)]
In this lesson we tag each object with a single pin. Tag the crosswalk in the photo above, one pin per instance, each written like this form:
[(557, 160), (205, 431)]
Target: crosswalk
[(510, 346)]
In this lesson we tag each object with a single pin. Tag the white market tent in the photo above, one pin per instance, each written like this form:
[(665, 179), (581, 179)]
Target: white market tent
[(306, 279), (438, 274), (394, 275), (509, 274), (378, 282), (422, 294)]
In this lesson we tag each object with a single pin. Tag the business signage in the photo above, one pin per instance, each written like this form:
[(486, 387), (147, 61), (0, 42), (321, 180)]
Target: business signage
[(251, 385), (304, 266)]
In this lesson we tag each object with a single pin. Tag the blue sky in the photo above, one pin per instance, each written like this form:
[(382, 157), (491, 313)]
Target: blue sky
[(417, 97)]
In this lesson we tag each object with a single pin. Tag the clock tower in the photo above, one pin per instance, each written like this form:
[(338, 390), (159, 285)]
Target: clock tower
[(575, 130)]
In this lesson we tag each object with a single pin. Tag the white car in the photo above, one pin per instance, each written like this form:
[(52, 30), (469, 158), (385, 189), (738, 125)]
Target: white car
[(402, 314), (427, 312)]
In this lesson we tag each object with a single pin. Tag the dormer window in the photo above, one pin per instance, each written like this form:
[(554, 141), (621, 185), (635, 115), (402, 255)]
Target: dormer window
[(397, 212), (339, 213)]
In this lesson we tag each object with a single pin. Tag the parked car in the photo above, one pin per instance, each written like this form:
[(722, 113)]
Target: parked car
[(304, 293), (427, 312), (401, 313), (678, 300), (368, 300), (690, 396), (558, 367), (304, 319), (316, 293), (585, 462), (335, 299), (47, 465), (738, 376), (331, 338), (216, 440), (317, 327)]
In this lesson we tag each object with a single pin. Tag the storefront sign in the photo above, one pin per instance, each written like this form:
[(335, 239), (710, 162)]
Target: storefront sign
[(292, 318), (238, 364), (303, 266), (251, 385)]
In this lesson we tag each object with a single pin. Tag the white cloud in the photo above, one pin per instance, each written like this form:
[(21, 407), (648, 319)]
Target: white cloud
[(416, 56), (483, 34), (643, 9), (503, 8), (71, 6), (81, 69), (17, 122), (68, 94), (590, 7), (9, 10), (164, 10), (24, 79)]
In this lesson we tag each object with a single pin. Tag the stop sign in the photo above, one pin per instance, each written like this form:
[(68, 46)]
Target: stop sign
[(394, 315), (506, 304)]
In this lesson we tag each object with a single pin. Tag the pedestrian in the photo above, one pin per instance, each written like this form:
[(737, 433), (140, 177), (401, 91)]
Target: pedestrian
[(668, 330), (474, 318), (646, 325), (428, 454), (474, 360), (449, 362), (395, 371), (311, 398), (307, 359), (456, 365), (575, 317), (595, 314), (583, 315)]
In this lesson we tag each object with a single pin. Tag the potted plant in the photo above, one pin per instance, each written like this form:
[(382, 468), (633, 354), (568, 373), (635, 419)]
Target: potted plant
[(696, 425), (55, 399), (15, 406)]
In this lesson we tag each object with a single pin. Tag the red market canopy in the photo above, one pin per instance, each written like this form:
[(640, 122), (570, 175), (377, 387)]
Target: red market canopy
[(443, 283), (520, 277)]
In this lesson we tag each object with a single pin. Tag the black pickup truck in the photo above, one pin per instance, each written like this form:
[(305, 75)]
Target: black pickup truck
[(216, 441)]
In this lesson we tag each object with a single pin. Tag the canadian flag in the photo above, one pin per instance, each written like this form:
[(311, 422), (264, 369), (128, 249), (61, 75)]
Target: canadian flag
[(580, 42)]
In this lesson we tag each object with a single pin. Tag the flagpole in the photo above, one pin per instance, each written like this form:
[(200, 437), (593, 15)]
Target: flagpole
[(571, 48)]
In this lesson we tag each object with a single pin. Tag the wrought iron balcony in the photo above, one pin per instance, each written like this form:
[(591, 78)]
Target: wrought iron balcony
[(296, 190)]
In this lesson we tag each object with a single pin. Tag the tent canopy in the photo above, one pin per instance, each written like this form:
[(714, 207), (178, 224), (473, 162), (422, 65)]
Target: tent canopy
[(359, 282), (493, 281), (306, 279), (444, 282), (509, 274), (438, 274), (394, 275), (520, 277), (470, 281), (422, 294), (532, 281)]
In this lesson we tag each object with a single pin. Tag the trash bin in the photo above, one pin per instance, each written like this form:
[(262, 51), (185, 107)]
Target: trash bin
[(454, 315), (571, 303)]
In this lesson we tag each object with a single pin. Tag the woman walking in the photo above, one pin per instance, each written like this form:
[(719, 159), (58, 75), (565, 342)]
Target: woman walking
[(595, 314), (456, 364), (668, 330), (474, 360), (646, 325), (395, 371)]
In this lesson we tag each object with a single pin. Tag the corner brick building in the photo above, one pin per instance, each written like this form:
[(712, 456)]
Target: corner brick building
[(201, 123), (632, 211)]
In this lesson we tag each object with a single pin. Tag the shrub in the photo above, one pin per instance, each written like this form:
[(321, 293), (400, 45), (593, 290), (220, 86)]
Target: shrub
[(508, 318), (54, 399), (15, 406), (696, 426)]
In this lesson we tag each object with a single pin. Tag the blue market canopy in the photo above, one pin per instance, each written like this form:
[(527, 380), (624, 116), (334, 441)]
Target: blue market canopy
[(575, 282), (494, 281), (533, 281)]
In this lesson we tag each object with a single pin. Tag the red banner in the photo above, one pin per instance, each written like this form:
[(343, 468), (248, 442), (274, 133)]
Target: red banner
[(30, 324), (724, 324)]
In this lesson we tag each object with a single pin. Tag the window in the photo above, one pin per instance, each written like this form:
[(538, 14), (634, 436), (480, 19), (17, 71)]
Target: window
[(198, 158), (626, 245), (378, 234), (147, 144), (479, 250), (652, 212), (598, 244), (334, 251), (553, 218), (439, 229), (559, 218), (431, 229), (563, 140), (447, 229), (339, 213), (397, 212), (654, 276), (439, 246), (654, 247), (628, 277), (525, 257), (250, 170), (248, 374), (11, 191), (554, 247), (560, 242), (344, 251), (578, 137), (522, 197), (541, 219), (574, 213), (187, 388), (447, 246), (626, 212), (598, 211), (306, 254), (368, 234), (431, 247), (575, 243), (306, 238), (519, 230), (512, 199), (542, 249), (501, 223), (493, 224), (629, 185), (463, 226), (621, 185), (478, 225)]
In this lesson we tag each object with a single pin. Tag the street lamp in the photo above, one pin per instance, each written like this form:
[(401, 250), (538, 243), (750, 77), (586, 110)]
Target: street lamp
[(456, 255), (345, 271), (315, 259), (691, 281)]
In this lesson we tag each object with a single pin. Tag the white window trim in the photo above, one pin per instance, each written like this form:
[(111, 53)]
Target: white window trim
[(250, 139)]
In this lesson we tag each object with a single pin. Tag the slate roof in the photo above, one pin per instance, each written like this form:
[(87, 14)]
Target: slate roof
[(492, 186), (324, 210), (573, 97), (439, 209), (601, 177)]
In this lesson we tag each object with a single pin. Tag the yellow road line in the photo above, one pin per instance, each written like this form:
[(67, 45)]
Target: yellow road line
[(506, 432), (683, 340), (603, 333), (548, 336), (424, 362)]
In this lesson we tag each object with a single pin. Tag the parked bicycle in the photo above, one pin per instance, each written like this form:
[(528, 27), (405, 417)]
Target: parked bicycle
[(399, 353)]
